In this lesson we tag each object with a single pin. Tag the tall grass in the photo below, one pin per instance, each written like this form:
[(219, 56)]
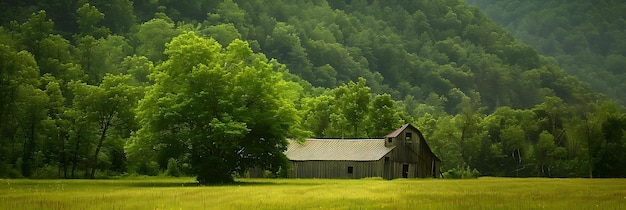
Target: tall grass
[(183, 193)]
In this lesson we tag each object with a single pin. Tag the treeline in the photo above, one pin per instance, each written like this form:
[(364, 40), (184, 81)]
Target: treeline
[(588, 39), (81, 81), (552, 139)]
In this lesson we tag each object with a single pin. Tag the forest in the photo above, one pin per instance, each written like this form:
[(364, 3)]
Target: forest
[(94, 88), (589, 45)]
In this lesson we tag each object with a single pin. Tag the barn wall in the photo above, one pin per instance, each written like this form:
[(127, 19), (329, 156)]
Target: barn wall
[(403, 154), (429, 165), (413, 151), (410, 150), (407, 148), (393, 170), (335, 169)]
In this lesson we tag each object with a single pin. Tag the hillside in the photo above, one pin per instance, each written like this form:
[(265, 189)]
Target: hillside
[(102, 88), (588, 39), (426, 50)]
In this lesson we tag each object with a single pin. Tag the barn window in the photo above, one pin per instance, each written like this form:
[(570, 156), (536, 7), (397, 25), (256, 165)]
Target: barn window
[(389, 140), (350, 169), (408, 137)]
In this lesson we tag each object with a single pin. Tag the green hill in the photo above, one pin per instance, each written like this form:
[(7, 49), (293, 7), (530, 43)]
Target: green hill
[(588, 39), (98, 88)]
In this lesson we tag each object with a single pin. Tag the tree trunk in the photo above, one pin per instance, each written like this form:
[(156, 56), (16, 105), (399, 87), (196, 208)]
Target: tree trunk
[(590, 168), (63, 155), (75, 156), (29, 146), (98, 148), (105, 124), (589, 139)]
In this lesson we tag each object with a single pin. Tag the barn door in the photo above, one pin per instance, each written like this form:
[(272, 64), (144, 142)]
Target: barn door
[(405, 170)]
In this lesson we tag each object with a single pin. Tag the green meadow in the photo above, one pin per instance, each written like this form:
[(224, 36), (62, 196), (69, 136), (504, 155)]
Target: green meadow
[(183, 193)]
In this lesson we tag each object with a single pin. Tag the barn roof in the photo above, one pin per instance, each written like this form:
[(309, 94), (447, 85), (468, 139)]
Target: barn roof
[(337, 149), (398, 131)]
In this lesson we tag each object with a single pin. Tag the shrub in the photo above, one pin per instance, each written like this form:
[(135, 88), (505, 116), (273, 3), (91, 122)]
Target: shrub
[(172, 168), (461, 173), (8, 171), (151, 169)]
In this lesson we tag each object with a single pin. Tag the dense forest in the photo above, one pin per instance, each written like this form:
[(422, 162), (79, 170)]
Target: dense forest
[(96, 88), (585, 37)]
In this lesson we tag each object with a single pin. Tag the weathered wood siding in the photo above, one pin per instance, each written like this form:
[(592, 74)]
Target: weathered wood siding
[(411, 150), (393, 170), (405, 154), (429, 165), (336, 169)]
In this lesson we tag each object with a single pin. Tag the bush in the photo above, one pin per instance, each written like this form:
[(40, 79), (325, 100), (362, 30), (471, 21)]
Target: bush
[(283, 172), (172, 168), (151, 169), (461, 173), (46, 172), (8, 171)]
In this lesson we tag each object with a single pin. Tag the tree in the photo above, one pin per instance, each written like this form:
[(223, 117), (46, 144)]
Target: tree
[(284, 45), (110, 106), (138, 66), (55, 147), (88, 18), (613, 147), (80, 135), (444, 143), (383, 116), (32, 113), (33, 31), (86, 58), (467, 123), (223, 33), (152, 36), (352, 101), (109, 52), (18, 80), (229, 12), (118, 14), (593, 116), (553, 111), (547, 154), (316, 114), (224, 108)]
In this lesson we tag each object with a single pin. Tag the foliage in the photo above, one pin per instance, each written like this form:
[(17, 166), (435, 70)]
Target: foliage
[(221, 107), (461, 173), (100, 88), (589, 44), (172, 168), (350, 111)]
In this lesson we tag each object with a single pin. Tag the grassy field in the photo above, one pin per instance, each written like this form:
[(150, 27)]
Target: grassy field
[(182, 193)]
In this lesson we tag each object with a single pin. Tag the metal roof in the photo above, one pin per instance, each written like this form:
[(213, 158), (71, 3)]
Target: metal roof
[(398, 131), (337, 149)]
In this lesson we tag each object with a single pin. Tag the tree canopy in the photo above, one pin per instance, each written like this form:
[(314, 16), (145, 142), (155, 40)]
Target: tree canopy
[(94, 88), (589, 44), (225, 107)]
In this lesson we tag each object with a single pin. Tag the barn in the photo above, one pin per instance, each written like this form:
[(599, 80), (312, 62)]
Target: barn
[(403, 153)]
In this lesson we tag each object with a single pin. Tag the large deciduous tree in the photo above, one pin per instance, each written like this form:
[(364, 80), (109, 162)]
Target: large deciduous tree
[(223, 110), (353, 102)]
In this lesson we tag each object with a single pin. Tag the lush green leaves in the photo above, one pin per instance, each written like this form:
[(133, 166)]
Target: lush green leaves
[(340, 69), (586, 44), (223, 107)]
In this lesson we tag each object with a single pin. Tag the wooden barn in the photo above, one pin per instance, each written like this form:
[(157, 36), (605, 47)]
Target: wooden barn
[(402, 153)]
